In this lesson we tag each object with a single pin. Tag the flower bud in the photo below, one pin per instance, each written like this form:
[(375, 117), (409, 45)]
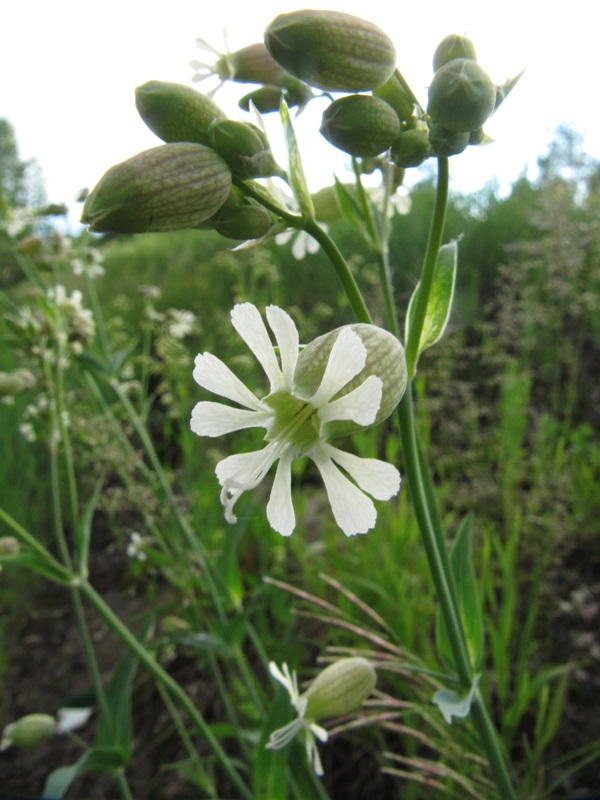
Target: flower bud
[(461, 96), (411, 148), (385, 359), (334, 51), (396, 96), (246, 221), (361, 125), (340, 688), (244, 147), (251, 64), (176, 113), (268, 98), (167, 188), (451, 47), (28, 731), (447, 143)]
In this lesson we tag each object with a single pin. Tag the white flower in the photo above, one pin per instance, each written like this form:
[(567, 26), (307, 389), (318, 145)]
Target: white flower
[(302, 243), (295, 423), (180, 323), (283, 736)]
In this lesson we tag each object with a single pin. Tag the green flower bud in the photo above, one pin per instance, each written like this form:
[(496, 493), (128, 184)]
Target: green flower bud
[(244, 147), (461, 96), (251, 64), (15, 382), (411, 148), (268, 98), (360, 125), (477, 137), (176, 113), (385, 358), (246, 221), (451, 47), (331, 50), (28, 731), (340, 688), (167, 188), (396, 96), (447, 143)]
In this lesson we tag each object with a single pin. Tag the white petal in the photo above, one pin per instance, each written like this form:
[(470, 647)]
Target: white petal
[(360, 405), (347, 358), (213, 375), (216, 419), (379, 479), (243, 471), (353, 511), (286, 335), (280, 510), (313, 753), (249, 324)]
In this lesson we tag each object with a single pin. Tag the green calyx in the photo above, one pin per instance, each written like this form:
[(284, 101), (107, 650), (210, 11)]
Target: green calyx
[(385, 359), (340, 688), (331, 50), (176, 113), (251, 64), (244, 147), (166, 188), (445, 143), (360, 124), (461, 96), (411, 148), (451, 47), (243, 222)]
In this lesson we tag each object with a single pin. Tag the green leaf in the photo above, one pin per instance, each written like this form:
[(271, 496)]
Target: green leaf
[(451, 704), (269, 775), (439, 304), (349, 207), (467, 599), (98, 759), (296, 171), (83, 531)]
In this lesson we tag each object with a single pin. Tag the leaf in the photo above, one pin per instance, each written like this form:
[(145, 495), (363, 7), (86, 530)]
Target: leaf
[(97, 759), (439, 304), (349, 207), (296, 171), (83, 531), (269, 774), (467, 599), (451, 704)]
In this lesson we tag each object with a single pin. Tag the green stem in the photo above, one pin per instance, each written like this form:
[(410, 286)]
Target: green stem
[(149, 662), (434, 243), (59, 573)]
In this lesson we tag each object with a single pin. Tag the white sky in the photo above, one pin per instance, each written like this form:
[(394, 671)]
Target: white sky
[(69, 69)]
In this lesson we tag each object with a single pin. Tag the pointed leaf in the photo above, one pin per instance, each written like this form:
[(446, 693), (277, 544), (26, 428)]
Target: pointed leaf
[(98, 759), (440, 299), (269, 774), (296, 171)]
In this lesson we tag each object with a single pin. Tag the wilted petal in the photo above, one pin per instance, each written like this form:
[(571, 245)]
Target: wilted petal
[(379, 479), (280, 510), (360, 405), (249, 324), (216, 419), (213, 375), (347, 358), (354, 512), (286, 335)]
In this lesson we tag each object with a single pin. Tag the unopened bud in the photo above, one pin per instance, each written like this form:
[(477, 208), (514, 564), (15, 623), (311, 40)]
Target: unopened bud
[(461, 96), (167, 188), (28, 731), (331, 50), (360, 124), (340, 688), (268, 98), (246, 221), (176, 113), (447, 143), (244, 147), (451, 47), (411, 148), (385, 359), (394, 93), (251, 64)]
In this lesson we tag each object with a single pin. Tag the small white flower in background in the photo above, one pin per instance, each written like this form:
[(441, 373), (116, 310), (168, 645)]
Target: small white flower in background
[(302, 243), (340, 688), (136, 545), (297, 418), (180, 323)]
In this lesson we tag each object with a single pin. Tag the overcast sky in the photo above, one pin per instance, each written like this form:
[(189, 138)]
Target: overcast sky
[(69, 70)]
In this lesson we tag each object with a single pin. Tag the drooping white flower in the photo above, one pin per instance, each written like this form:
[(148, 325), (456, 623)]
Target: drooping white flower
[(296, 422)]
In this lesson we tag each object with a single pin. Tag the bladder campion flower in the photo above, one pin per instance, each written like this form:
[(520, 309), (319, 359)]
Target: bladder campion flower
[(340, 688), (310, 397)]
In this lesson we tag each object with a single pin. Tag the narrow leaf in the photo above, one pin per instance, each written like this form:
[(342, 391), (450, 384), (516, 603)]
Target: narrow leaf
[(440, 299), (99, 759), (296, 171)]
